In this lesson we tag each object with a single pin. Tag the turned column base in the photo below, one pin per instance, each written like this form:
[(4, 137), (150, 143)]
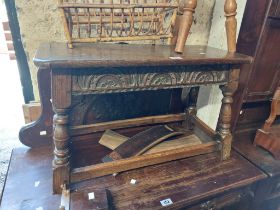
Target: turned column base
[(60, 177)]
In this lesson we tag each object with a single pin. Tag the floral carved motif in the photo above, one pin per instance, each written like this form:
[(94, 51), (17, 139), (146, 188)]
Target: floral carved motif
[(123, 82)]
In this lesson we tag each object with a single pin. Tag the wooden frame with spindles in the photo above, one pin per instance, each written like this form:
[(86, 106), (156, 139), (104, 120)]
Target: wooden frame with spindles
[(65, 84), (136, 20), (118, 20)]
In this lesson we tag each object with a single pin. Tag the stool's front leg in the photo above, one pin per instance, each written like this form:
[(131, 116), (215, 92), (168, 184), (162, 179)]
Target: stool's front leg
[(61, 98), (61, 165), (225, 113), (191, 109)]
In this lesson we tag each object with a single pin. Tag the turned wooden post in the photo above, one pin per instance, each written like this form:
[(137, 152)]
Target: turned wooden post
[(193, 94), (185, 24), (61, 99), (224, 122), (231, 24), (191, 106), (61, 167)]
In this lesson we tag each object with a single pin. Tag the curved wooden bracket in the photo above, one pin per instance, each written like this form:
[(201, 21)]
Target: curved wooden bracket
[(269, 137), (39, 133), (275, 110)]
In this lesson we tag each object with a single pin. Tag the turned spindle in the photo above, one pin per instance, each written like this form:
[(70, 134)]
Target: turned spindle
[(61, 137), (192, 106), (61, 101), (231, 24), (185, 24), (224, 122)]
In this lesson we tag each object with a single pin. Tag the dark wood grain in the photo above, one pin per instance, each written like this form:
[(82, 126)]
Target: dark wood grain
[(179, 180), (257, 37), (141, 142), (116, 55), (267, 193), (95, 69), (268, 137), (263, 159), (27, 167), (30, 135), (101, 200), (188, 182), (88, 172)]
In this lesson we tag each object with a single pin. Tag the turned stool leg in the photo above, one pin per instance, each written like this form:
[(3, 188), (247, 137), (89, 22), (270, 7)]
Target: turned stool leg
[(224, 122), (191, 106), (185, 24), (193, 94), (61, 100), (61, 165)]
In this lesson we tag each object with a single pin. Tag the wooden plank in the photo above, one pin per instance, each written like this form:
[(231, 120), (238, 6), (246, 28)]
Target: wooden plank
[(101, 199), (203, 126), (112, 140), (116, 55), (86, 129), (186, 182), (141, 142), (243, 144), (97, 170), (32, 168), (31, 111)]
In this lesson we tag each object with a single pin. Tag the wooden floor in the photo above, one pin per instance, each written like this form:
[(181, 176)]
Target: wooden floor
[(185, 182)]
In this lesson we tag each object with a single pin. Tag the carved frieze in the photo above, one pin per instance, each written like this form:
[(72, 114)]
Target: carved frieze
[(117, 81)]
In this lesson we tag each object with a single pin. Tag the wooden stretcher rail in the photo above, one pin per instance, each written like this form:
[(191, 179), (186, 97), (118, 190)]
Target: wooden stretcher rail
[(200, 124), (108, 20), (150, 120), (88, 172), (116, 39), (118, 6)]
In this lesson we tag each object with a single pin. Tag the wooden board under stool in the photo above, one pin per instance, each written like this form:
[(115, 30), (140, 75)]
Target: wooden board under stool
[(187, 182)]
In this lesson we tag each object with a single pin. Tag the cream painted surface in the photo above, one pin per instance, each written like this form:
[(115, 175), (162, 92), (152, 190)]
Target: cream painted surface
[(209, 100), (39, 22)]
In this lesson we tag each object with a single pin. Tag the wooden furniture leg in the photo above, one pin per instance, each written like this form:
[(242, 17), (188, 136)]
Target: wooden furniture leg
[(61, 165), (191, 110), (224, 122), (61, 136), (192, 100), (231, 24), (185, 24)]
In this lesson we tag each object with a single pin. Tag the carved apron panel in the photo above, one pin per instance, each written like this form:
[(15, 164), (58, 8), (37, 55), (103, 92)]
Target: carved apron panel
[(151, 78)]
